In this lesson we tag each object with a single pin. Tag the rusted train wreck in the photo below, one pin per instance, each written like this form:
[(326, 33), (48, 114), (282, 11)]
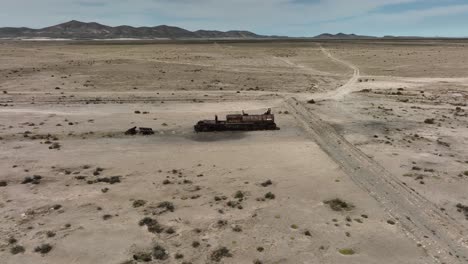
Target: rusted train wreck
[(238, 122)]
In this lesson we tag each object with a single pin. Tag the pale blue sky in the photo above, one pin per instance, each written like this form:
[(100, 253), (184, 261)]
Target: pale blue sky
[(273, 17)]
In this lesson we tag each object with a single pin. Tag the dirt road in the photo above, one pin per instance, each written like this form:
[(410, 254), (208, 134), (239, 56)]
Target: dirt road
[(347, 87)]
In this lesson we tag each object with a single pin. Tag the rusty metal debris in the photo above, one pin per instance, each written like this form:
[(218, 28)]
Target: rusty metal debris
[(142, 130)]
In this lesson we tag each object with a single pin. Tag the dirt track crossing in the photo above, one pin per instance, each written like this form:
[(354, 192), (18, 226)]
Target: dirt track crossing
[(441, 235), (415, 214)]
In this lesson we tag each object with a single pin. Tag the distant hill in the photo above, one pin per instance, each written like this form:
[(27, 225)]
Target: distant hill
[(81, 30), (341, 36)]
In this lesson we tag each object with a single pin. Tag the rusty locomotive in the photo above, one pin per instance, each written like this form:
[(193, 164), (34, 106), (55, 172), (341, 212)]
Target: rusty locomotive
[(238, 122)]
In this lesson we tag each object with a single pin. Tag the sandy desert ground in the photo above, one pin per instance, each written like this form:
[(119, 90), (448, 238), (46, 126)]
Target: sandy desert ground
[(373, 170)]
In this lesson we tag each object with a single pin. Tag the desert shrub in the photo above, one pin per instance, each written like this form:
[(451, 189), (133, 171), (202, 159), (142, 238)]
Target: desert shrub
[(346, 251), (152, 225), (17, 249), (270, 196), (142, 257), (239, 195), (106, 217), (237, 228), (170, 230), (266, 183), (43, 249), (195, 244), (167, 205), (159, 252), (339, 205), (12, 240), (430, 121), (55, 145), (166, 182), (138, 203), (219, 254), (36, 179)]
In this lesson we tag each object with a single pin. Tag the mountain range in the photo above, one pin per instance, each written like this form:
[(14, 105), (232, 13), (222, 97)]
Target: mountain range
[(82, 30), (341, 36)]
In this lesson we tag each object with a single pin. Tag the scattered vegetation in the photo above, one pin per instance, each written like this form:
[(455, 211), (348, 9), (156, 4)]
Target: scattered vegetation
[(55, 145), (270, 196), (152, 225), (346, 251), (138, 203), (219, 198), (430, 121), (237, 228), (17, 249), (43, 249), (98, 171), (36, 179), (12, 240), (167, 206), (462, 209), (142, 257), (219, 254), (234, 204), (166, 182), (266, 183), (339, 205), (106, 217), (170, 230), (160, 252), (222, 223), (195, 244), (239, 195), (110, 180)]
